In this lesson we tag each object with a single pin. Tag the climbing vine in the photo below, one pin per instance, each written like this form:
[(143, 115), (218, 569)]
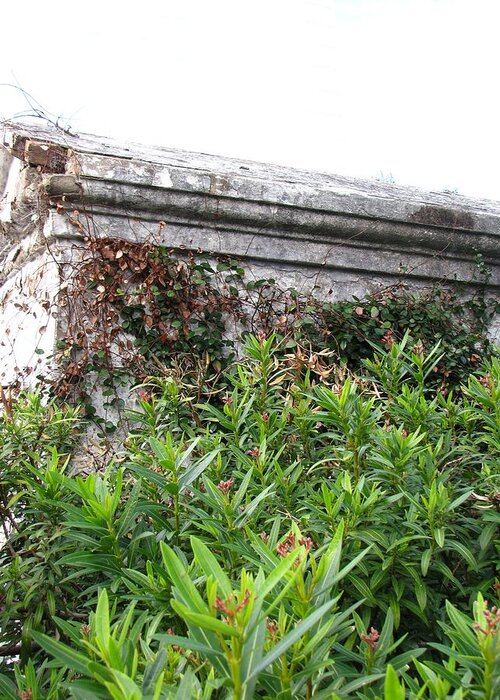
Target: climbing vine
[(437, 314), (136, 310)]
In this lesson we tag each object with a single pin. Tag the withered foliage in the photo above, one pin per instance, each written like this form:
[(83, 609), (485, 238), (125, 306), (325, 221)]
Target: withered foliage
[(136, 309)]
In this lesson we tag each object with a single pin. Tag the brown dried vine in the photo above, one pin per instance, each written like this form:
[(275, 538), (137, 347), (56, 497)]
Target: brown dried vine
[(136, 309)]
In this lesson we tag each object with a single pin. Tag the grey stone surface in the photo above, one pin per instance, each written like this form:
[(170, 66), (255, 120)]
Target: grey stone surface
[(332, 235)]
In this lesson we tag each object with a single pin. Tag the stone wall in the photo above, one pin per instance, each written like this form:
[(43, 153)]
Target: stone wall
[(331, 235)]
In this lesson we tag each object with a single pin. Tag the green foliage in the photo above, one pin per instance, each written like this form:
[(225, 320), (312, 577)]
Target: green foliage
[(176, 309), (35, 437), (352, 328), (139, 310), (296, 531)]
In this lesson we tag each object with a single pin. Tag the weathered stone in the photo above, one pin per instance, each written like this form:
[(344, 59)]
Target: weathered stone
[(50, 158), (329, 234)]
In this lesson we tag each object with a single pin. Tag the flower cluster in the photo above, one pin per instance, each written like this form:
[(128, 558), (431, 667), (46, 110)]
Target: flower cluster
[(290, 542), (225, 486), (272, 628), (388, 339), (492, 619), (254, 452), (372, 638), (228, 608)]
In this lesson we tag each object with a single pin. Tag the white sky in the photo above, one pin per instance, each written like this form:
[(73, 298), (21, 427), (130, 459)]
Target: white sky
[(356, 87)]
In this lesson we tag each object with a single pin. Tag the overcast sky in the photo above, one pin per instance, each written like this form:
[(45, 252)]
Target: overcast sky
[(408, 88)]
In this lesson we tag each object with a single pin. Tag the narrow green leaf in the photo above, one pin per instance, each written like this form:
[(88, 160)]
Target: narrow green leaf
[(487, 535), (354, 562), (293, 636), (205, 621), (91, 562), (160, 451), (7, 688), (440, 670), (180, 579), (277, 574), (250, 508), (464, 552), (85, 689), (439, 535), (187, 453), (386, 634), (188, 643), (253, 649), (194, 471), (402, 661), (458, 501), (188, 688), (461, 623), (125, 625), (331, 560), (102, 618), (425, 561), (153, 670), (240, 493), (210, 566), (362, 587), (360, 683), (69, 629), (393, 688), (62, 653), (127, 686), (421, 594)]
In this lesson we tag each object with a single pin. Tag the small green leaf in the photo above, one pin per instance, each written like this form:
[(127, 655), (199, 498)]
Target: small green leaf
[(293, 636), (102, 619), (393, 688), (439, 536), (207, 622), (425, 561)]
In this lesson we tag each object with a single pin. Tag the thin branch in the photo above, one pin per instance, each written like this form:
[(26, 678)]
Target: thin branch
[(37, 111)]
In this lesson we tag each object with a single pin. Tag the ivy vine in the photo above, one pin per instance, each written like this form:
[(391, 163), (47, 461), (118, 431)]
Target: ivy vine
[(137, 310)]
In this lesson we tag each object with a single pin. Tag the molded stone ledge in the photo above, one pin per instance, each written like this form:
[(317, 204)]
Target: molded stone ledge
[(318, 232), (264, 219), (96, 157), (362, 260)]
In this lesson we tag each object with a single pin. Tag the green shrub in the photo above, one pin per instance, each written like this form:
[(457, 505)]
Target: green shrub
[(305, 532)]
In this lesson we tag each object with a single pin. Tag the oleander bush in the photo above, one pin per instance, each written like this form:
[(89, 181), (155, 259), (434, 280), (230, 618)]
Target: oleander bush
[(300, 531)]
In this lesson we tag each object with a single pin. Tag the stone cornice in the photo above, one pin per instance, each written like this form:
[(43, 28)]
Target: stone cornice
[(263, 212)]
